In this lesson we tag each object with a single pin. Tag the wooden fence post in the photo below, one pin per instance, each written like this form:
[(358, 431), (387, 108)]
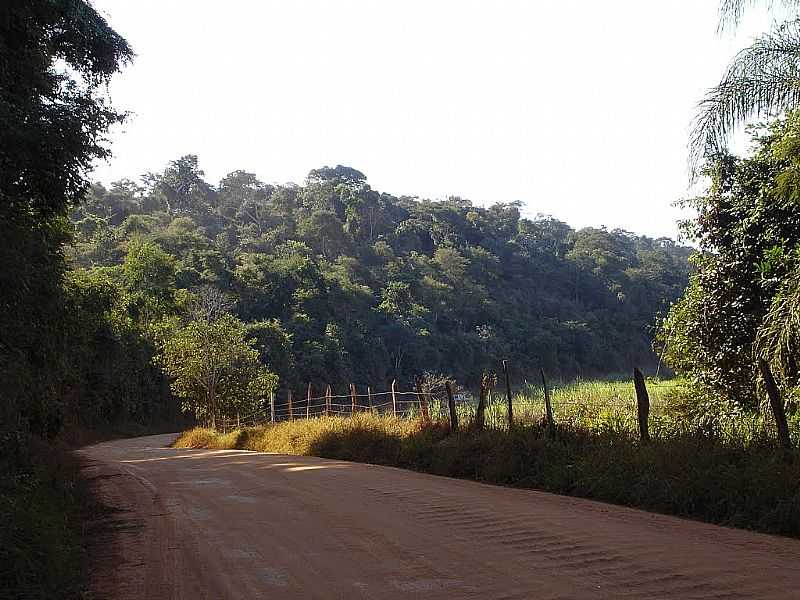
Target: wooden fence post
[(508, 395), (548, 408), (238, 420), (272, 407), (289, 398), (777, 408), (369, 397), (642, 405), (353, 399), (423, 402), (308, 402), (328, 401), (480, 412), (452, 405)]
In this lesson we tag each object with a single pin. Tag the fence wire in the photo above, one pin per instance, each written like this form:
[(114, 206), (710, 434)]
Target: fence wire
[(618, 411)]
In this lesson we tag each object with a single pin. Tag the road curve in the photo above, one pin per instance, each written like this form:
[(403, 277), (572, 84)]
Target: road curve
[(232, 524)]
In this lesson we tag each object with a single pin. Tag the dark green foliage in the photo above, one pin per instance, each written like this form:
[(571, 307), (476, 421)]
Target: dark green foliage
[(362, 286), (748, 226), (74, 346), (42, 504), (40, 101)]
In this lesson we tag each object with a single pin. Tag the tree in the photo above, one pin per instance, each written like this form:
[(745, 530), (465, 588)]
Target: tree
[(55, 58), (41, 100), (215, 369), (182, 187), (323, 231), (739, 300)]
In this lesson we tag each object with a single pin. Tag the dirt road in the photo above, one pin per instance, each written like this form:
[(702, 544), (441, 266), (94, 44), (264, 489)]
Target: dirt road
[(232, 524)]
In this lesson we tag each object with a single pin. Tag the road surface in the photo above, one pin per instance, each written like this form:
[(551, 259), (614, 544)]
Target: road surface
[(232, 524)]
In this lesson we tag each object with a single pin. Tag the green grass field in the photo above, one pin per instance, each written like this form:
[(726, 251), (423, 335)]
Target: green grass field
[(595, 405), (610, 407)]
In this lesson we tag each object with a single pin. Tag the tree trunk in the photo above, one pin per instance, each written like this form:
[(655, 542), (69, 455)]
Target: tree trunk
[(642, 405), (776, 403)]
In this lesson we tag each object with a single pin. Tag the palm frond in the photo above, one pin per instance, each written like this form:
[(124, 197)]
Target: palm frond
[(731, 11), (778, 339), (762, 80)]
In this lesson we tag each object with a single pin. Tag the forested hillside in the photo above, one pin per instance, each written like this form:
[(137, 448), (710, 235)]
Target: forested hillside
[(339, 282)]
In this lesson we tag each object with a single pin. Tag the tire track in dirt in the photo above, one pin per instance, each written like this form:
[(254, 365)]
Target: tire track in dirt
[(620, 568), (230, 524)]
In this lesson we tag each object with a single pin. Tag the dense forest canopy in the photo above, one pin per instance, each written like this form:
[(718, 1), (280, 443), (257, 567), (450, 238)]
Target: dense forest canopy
[(339, 282)]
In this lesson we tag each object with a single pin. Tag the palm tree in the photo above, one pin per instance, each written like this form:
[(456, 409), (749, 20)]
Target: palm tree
[(762, 80)]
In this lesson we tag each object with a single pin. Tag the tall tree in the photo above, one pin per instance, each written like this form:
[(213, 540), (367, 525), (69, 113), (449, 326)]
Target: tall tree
[(55, 57)]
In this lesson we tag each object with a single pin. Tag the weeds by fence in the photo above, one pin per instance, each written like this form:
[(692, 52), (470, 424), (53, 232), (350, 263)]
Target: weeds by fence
[(600, 405)]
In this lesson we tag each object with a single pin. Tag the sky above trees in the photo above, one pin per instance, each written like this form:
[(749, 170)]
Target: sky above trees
[(578, 109)]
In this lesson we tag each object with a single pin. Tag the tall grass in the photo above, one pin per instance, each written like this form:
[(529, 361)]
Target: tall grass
[(610, 407)]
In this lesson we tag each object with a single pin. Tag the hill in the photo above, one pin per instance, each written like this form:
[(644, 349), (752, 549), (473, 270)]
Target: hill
[(340, 282)]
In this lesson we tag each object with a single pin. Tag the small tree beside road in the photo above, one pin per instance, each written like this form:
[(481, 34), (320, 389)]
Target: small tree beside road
[(215, 369)]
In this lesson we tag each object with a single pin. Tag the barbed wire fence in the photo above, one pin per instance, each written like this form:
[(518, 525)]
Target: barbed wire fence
[(442, 401)]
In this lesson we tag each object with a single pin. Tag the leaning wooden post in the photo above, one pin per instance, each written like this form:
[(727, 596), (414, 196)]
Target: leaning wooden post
[(508, 396), (423, 402), (480, 412), (394, 397), (352, 399), (289, 398), (548, 407), (642, 405), (777, 408), (451, 403), (308, 402), (328, 401), (272, 407), (369, 397)]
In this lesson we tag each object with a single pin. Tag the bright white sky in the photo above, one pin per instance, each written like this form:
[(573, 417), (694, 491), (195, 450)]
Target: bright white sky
[(580, 109)]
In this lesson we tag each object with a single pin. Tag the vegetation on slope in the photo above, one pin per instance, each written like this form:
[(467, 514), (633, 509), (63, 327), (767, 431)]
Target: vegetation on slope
[(341, 283)]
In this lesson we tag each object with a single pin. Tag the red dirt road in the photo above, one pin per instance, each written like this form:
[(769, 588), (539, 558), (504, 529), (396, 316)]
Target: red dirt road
[(232, 524)]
